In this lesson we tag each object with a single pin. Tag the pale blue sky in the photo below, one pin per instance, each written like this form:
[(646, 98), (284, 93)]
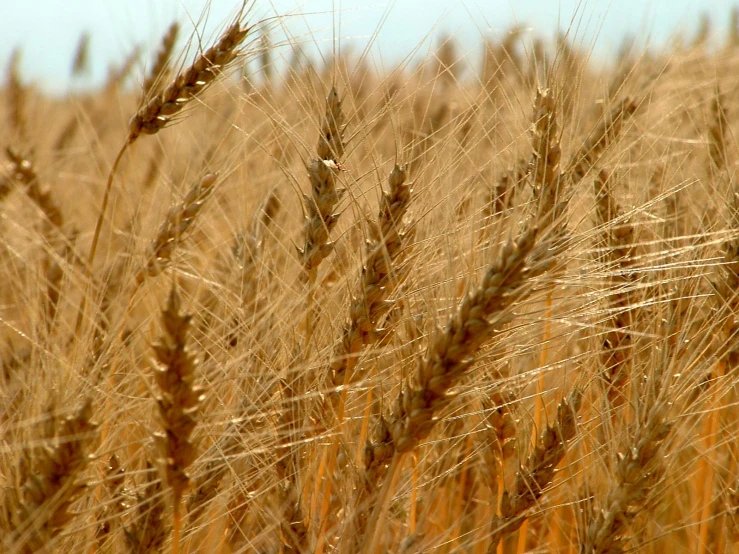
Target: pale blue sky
[(48, 30)]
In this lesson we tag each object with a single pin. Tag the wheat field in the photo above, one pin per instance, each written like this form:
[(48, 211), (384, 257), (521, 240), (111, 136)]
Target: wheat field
[(471, 304)]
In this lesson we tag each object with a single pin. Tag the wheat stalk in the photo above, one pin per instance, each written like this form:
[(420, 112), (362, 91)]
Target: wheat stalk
[(159, 111)]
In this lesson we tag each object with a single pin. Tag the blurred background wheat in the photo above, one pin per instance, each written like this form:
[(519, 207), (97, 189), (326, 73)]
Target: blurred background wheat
[(257, 299)]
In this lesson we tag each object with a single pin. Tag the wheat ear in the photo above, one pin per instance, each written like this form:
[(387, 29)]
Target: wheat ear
[(51, 480), (637, 471), (149, 531), (551, 205), (179, 401), (175, 227), (118, 75), (110, 513), (324, 197), (537, 474), (24, 172), (17, 96), (158, 112), (320, 220), (81, 60), (605, 134), (618, 240), (545, 161), (380, 276), (718, 130), (452, 353)]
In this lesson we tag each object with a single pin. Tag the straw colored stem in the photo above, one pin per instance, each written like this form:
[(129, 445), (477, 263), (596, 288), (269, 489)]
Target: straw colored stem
[(96, 234), (374, 529)]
